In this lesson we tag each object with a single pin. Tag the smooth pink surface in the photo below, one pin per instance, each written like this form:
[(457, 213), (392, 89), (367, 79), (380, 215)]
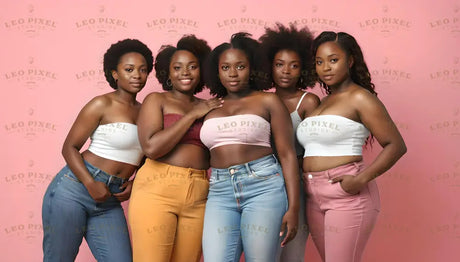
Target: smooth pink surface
[(51, 65)]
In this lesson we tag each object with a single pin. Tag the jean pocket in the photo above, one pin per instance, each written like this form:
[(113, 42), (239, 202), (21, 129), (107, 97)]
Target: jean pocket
[(340, 188), (266, 174), (71, 177)]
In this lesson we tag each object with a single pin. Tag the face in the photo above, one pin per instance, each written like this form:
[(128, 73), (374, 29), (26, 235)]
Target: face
[(234, 70), (332, 64), (184, 71), (131, 73), (286, 69)]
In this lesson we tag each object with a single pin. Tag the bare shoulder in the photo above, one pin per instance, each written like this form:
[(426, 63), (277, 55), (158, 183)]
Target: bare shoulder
[(360, 95), (154, 97), (311, 99), (99, 102)]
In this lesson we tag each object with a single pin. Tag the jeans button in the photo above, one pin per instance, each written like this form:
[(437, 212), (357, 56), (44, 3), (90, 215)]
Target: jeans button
[(310, 176), (232, 171)]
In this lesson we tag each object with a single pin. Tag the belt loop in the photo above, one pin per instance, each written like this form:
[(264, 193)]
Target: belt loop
[(248, 169), (274, 157), (109, 180)]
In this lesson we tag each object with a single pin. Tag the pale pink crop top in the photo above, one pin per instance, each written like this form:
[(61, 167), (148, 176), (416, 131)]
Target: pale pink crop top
[(248, 129)]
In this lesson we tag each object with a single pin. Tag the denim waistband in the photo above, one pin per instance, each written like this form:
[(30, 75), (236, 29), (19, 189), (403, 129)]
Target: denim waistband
[(108, 179), (327, 172), (248, 167)]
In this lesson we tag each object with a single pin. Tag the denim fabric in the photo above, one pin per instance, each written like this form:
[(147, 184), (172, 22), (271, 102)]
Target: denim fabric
[(246, 204), (69, 214)]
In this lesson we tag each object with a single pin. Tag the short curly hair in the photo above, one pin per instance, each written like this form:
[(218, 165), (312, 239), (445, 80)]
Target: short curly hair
[(116, 51), (290, 38), (258, 64), (359, 72), (198, 47)]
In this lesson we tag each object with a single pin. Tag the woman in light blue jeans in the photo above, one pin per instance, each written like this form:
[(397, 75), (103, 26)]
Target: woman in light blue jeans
[(252, 198), (246, 204)]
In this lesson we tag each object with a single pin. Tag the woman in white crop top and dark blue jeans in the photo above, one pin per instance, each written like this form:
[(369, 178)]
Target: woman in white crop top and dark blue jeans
[(343, 200), (288, 51), (247, 203), (83, 200)]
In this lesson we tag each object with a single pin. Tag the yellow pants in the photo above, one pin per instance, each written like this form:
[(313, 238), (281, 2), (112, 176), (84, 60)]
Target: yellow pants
[(166, 212)]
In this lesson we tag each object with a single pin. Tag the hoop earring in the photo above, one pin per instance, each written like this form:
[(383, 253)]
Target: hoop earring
[(168, 82)]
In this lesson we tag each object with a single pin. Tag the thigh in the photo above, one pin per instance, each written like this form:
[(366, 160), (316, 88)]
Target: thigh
[(64, 218), (263, 211), (346, 234), (315, 220), (107, 234), (221, 232)]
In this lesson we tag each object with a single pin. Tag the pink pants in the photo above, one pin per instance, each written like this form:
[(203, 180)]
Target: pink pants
[(340, 224)]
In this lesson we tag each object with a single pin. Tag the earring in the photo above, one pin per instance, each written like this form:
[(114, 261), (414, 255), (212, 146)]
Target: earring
[(168, 82)]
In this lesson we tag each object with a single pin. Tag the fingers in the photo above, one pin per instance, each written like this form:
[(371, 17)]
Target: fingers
[(291, 233), (336, 179), (283, 227)]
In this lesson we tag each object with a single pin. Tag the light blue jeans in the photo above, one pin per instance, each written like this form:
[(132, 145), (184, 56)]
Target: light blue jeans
[(69, 214), (246, 204)]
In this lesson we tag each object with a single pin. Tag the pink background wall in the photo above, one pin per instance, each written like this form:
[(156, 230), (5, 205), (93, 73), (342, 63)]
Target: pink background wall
[(51, 65)]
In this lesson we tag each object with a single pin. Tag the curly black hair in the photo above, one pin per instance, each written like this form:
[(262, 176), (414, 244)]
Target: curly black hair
[(116, 51), (258, 64), (290, 38), (198, 47), (359, 72)]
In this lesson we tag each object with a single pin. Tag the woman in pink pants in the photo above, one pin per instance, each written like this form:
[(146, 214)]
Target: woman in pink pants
[(343, 200)]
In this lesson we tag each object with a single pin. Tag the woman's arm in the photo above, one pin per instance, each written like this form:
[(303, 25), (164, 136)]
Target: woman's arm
[(87, 121), (284, 141), (157, 141), (375, 117)]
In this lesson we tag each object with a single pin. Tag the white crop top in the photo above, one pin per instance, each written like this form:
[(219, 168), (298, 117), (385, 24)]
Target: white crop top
[(248, 129), (331, 135), (118, 142)]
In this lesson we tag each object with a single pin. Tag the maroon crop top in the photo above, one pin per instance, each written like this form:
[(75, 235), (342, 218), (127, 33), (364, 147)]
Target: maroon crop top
[(193, 133)]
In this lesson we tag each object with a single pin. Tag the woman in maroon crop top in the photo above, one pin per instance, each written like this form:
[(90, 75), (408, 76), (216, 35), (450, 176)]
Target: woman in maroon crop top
[(170, 190)]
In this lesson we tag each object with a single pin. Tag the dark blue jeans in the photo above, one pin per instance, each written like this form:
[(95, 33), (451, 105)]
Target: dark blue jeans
[(69, 214)]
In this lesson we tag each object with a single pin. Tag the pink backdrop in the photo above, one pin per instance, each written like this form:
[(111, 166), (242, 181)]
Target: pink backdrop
[(51, 65)]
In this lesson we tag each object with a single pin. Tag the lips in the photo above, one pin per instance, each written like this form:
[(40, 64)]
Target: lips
[(136, 84), (327, 77), (186, 81), (233, 83)]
